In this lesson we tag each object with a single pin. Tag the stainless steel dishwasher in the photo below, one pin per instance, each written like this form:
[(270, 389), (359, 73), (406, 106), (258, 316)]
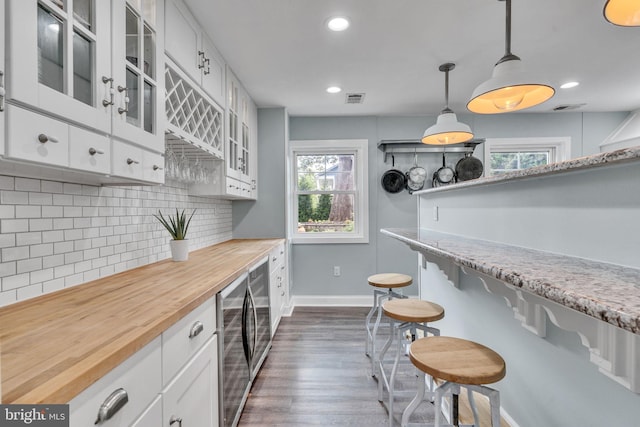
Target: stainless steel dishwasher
[(245, 338)]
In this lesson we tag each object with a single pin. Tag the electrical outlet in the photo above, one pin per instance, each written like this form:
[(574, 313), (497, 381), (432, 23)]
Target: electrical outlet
[(435, 213), (336, 270)]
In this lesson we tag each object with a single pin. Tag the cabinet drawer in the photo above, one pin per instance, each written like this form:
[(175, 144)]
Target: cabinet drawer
[(139, 376), (182, 340), (126, 161), (276, 258), (152, 416), (26, 132), (89, 151), (153, 167)]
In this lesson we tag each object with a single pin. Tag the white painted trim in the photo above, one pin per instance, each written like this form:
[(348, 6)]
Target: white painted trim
[(361, 149), (331, 301), (626, 135), (560, 147)]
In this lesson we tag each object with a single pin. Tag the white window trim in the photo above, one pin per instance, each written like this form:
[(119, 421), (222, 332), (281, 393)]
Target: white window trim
[(560, 147), (361, 149)]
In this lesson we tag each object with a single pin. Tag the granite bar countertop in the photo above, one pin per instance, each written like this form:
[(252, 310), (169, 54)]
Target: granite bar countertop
[(608, 292), (610, 158)]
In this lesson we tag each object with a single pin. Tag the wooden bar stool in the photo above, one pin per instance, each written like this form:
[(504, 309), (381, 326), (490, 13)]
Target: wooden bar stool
[(407, 316), (457, 362), (384, 285)]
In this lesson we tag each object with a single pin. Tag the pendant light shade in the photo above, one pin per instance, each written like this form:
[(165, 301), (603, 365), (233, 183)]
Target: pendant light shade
[(510, 88), (447, 130), (625, 13)]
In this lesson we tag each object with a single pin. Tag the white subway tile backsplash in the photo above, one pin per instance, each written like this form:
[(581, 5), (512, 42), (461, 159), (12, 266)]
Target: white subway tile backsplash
[(15, 253), (7, 182), (55, 235), (27, 184)]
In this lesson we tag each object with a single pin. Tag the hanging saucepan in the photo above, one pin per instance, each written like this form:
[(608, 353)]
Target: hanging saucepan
[(416, 176), (393, 180), (468, 167), (443, 176)]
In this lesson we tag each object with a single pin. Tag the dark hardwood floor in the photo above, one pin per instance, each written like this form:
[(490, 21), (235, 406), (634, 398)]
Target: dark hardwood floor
[(317, 375)]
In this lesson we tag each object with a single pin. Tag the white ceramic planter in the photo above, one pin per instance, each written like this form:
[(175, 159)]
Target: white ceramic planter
[(179, 249)]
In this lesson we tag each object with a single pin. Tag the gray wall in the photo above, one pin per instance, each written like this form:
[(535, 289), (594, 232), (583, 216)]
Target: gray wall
[(589, 214), (312, 266), (265, 217)]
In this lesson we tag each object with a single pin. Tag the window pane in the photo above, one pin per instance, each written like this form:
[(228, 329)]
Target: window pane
[(50, 50), (529, 160), (133, 115), (149, 51), (307, 181), (82, 12), (504, 161), (82, 69), (148, 107), (325, 213), (132, 37)]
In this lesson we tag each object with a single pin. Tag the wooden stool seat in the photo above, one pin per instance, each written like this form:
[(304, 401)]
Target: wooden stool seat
[(457, 360), (389, 280), (413, 310)]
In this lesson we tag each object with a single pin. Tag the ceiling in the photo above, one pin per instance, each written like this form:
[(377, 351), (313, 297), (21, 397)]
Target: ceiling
[(285, 56)]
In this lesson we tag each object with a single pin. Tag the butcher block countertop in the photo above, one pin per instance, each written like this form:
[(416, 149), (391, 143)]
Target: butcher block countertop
[(53, 347)]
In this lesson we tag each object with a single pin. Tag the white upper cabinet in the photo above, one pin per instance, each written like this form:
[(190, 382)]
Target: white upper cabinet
[(138, 72), (59, 54), (188, 45)]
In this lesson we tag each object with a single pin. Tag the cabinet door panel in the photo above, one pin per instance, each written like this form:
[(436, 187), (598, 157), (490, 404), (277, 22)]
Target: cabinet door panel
[(56, 66), (153, 167), (152, 416), (213, 71), (182, 38), (89, 151), (36, 138), (126, 161), (193, 395)]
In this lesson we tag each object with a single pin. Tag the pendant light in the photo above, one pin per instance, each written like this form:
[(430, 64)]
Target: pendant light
[(625, 13), (510, 88), (447, 130)]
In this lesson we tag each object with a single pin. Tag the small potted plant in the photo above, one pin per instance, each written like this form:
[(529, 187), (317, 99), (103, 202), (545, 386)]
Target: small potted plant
[(177, 226)]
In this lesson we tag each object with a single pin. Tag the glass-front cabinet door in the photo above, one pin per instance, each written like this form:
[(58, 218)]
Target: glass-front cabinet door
[(59, 59), (234, 131), (244, 156), (138, 113)]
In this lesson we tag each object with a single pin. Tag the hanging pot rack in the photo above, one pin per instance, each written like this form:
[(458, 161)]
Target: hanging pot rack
[(413, 146)]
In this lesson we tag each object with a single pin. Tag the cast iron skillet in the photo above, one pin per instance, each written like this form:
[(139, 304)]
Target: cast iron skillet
[(393, 180), (468, 167)]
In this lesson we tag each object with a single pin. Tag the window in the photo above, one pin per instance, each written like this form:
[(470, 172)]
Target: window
[(329, 195), (503, 155)]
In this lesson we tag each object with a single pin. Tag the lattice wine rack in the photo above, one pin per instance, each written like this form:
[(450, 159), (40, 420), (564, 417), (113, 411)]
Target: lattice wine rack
[(192, 118)]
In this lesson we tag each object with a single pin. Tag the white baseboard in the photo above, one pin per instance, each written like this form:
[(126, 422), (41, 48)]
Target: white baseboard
[(331, 301)]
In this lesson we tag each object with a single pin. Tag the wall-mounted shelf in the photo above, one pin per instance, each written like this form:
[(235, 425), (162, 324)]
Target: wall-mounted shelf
[(413, 146)]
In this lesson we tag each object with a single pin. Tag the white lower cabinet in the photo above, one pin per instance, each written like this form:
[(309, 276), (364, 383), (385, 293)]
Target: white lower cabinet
[(278, 285), (172, 381), (191, 399), (121, 396)]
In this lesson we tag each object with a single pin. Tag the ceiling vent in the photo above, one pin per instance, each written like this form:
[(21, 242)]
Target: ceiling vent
[(566, 107), (354, 98)]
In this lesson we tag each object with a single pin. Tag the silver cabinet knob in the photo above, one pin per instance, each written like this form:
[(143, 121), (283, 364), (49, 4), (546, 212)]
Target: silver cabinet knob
[(94, 151), (174, 420), (132, 161), (47, 138), (156, 168)]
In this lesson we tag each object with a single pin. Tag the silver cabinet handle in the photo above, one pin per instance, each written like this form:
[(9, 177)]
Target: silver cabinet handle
[(132, 161), (108, 81), (126, 100), (208, 70), (46, 138), (157, 168), (112, 404), (202, 59), (2, 91), (174, 420), (94, 151), (274, 259), (196, 329)]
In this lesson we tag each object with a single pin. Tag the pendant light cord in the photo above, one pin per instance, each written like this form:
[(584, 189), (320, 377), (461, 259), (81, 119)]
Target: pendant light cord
[(508, 56)]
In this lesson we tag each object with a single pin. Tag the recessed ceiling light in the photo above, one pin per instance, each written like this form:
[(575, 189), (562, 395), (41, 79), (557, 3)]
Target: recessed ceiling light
[(334, 89), (569, 85), (339, 23)]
